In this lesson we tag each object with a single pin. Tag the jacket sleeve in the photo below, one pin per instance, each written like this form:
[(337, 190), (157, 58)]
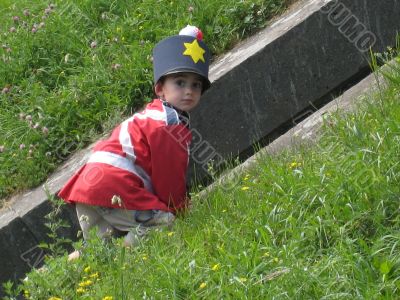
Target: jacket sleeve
[(169, 148)]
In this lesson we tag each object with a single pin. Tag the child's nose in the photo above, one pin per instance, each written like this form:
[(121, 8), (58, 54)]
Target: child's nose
[(189, 89)]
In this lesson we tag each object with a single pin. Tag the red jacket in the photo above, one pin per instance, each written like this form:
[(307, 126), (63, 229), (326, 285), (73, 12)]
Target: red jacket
[(144, 162)]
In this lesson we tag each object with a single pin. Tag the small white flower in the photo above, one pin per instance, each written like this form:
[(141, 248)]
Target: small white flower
[(45, 130)]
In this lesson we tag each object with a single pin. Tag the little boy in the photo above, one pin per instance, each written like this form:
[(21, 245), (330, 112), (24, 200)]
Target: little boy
[(136, 178)]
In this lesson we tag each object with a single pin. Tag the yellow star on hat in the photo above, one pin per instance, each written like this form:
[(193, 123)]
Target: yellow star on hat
[(194, 50)]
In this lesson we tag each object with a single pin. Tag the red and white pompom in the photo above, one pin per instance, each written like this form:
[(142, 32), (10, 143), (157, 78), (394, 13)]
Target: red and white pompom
[(192, 31)]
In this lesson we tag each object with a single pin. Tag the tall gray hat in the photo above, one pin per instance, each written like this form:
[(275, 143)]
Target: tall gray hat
[(181, 53)]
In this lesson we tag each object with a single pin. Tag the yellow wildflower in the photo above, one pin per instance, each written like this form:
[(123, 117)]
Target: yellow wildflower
[(245, 188), (54, 298), (108, 298), (94, 275), (203, 285), (87, 269), (85, 283), (80, 290), (294, 165), (266, 254), (145, 257), (171, 233), (242, 279), (118, 29), (26, 294), (216, 267)]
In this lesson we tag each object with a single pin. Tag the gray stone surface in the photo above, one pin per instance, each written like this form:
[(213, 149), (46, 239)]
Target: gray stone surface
[(261, 84), (15, 240), (275, 75)]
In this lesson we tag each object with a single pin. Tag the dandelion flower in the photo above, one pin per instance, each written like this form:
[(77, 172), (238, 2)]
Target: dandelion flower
[(203, 285), (94, 275), (216, 267), (85, 283), (245, 188), (108, 298), (80, 290), (294, 165)]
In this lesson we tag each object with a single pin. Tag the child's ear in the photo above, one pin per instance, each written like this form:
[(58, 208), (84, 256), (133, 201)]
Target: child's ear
[(158, 89)]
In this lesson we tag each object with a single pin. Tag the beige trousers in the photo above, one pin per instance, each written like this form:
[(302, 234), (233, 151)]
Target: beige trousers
[(118, 222)]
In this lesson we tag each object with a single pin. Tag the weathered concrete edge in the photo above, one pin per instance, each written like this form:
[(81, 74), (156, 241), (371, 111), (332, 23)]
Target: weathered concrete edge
[(307, 131), (295, 15)]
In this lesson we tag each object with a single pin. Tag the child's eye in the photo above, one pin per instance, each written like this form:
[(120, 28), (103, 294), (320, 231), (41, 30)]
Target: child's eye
[(180, 83), (198, 85)]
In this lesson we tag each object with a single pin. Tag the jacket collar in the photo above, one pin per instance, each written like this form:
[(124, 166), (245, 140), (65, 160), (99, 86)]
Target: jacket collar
[(184, 116)]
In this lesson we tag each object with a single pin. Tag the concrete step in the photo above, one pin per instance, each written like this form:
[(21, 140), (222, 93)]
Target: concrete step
[(314, 51)]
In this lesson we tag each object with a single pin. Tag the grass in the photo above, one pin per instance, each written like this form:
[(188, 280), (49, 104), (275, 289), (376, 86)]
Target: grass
[(315, 222), (71, 70)]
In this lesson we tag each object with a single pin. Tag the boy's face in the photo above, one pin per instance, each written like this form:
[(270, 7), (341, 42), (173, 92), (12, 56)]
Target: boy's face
[(182, 90)]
